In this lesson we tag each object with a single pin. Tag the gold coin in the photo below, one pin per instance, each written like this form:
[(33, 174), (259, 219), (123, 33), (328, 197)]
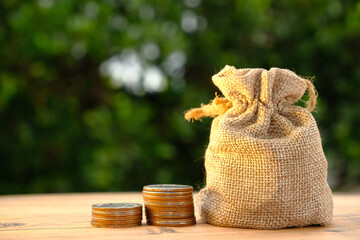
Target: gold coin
[(101, 225), (164, 202), (152, 210), (169, 209), (168, 188), (116, 221), (173, 198), (170, 215), (169, 212), (121, 218), (169, 204), (170, 194), (171, 224), (116, 214), (165, 220), (112, 207), (169, 199)]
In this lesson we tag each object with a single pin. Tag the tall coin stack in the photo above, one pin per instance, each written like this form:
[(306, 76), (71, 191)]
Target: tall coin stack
[(116, 215), (169, 205)]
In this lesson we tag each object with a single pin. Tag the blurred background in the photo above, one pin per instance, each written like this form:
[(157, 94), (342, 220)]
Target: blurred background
[(92, 93)]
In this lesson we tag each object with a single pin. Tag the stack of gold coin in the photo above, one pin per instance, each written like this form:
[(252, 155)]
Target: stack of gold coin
[(116, 215), (169, 205)]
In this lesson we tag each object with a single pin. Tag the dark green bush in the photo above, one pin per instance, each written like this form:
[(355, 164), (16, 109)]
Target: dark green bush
[(67, 125)]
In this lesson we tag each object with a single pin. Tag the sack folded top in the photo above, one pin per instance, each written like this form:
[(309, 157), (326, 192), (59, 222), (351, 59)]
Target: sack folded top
[(257, 98)]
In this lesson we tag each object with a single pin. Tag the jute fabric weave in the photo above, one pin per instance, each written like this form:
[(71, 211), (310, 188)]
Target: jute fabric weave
[(265, 166)]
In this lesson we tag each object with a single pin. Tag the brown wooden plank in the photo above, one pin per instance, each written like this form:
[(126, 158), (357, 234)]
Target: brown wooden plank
[(58, 216)]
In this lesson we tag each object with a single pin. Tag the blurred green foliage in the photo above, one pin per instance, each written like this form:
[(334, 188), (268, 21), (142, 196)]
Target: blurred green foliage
[(67, 125)]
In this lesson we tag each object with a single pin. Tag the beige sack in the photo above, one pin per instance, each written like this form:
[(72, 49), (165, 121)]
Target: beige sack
[(265, 164)]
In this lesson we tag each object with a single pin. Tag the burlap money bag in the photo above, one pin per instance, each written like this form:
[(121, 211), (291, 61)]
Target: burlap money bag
[(265, 166)]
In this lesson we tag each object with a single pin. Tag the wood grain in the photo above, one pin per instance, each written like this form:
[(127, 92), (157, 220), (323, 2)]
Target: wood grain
[(59, 216)]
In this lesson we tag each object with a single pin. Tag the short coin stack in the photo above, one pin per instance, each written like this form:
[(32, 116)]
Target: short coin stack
[(169, 205), (116, 215)]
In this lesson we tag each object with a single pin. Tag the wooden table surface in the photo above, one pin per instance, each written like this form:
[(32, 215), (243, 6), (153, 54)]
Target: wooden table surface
[(59, 216)]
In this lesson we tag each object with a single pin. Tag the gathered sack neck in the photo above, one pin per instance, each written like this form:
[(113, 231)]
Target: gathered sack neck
[(220, 105)]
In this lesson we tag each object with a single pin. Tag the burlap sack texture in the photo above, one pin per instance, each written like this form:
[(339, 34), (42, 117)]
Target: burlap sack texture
[(265, 165)]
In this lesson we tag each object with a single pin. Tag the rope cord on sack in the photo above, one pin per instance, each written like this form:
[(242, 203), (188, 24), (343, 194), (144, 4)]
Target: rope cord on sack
[(312, 95), (218, 106)]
